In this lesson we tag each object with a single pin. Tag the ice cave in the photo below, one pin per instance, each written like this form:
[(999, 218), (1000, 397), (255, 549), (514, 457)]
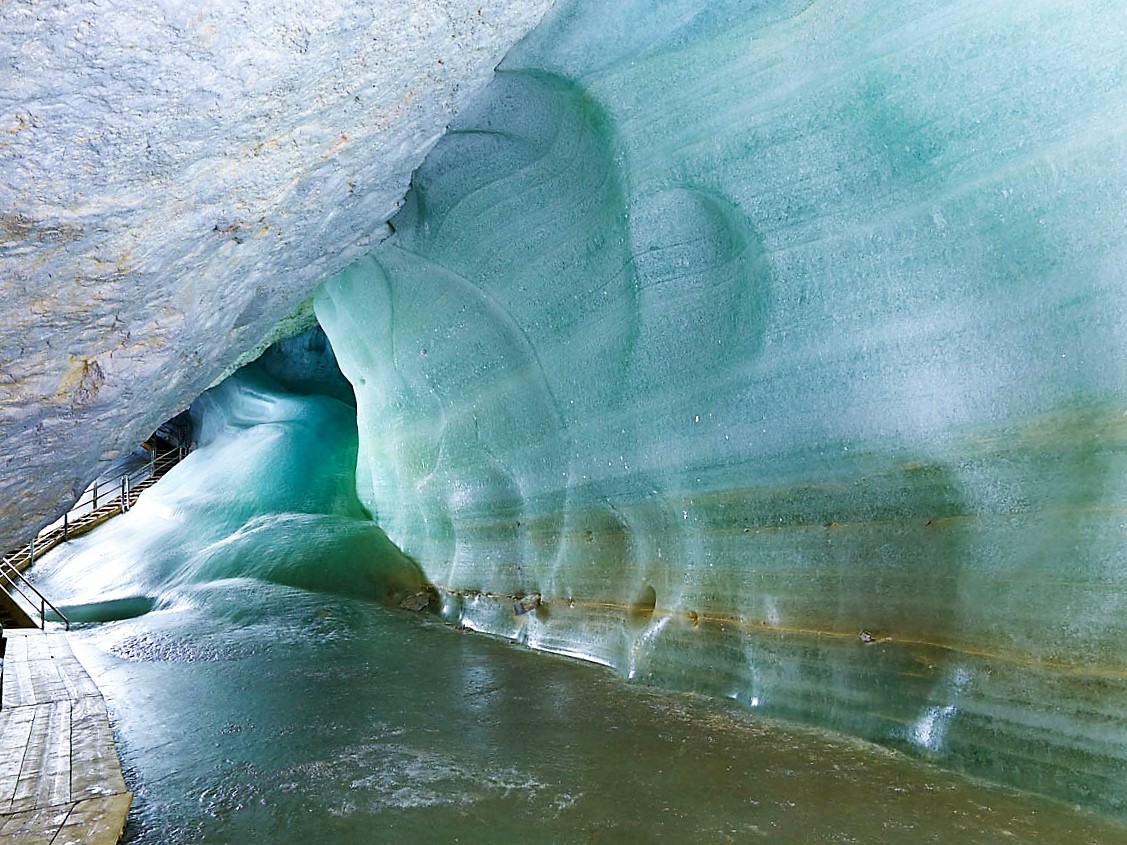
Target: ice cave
[(768, 355)]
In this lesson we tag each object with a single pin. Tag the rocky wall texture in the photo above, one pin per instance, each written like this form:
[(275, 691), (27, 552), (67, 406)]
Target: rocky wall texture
[(175, 178)]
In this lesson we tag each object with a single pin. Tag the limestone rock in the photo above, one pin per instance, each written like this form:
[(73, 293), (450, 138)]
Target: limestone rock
[(174, 179)]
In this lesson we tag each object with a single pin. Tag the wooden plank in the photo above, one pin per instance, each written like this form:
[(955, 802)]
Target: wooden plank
[(16, 647), (95, 821), (18, 688), (44, 669), (55, 644), (15, 731), (33, 827), (82, 683), (44, 683), (45, 775), (60, 776), (76, 682), (95, 769), (33, 646)]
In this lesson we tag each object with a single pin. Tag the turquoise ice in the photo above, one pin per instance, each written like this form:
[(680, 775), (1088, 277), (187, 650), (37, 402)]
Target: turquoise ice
[(770, 350), (776, 350), (267, 495)]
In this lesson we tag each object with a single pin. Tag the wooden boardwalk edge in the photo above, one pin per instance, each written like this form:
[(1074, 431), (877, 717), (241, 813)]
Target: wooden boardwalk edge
[(60, 775)]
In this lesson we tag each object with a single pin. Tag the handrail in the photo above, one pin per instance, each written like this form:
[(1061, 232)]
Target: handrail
[(120, 488), (88, 513), (7, 570)]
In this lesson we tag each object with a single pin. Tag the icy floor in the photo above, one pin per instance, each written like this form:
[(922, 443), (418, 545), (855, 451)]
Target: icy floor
[(257, 713)]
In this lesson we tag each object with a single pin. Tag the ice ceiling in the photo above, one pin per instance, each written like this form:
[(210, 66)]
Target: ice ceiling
[(775, 350)]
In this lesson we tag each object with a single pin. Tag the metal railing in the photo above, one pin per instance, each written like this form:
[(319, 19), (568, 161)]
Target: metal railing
[(100, 502), (119, 492), (14, 582)]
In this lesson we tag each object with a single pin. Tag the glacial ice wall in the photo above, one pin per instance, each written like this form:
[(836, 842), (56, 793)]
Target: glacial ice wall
[(268, 494), (776, 351), (175, 178)]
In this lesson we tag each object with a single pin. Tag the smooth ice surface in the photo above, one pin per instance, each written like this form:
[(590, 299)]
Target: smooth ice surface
[(258, 695), (779, 349), (267, 495), (264, 714)]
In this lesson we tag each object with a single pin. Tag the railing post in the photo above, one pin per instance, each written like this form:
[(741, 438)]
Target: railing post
[(42, 613), (31, 552), (124, 500), (66, 524), (95, 504)]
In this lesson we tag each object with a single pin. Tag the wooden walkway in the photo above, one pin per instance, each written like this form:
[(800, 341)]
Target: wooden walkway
[(60, 776), (21, 604), (86, 514)]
